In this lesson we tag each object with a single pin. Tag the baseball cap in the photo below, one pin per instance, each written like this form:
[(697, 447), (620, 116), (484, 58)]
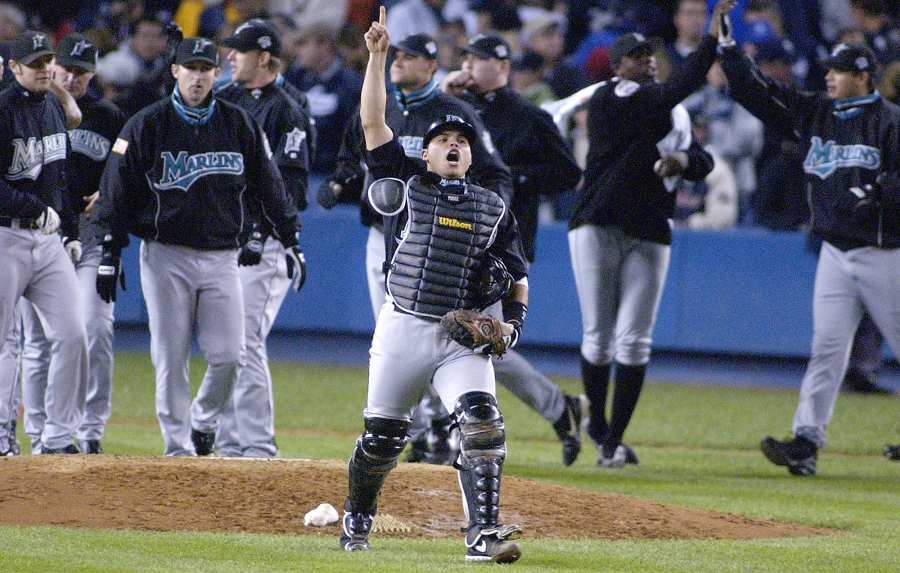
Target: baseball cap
[(627, 44), (485, 46), (76, 51), (418, 45), (775, 50), (447, 123), (851, 58), (196, 50), (29, 46), (254, 34)]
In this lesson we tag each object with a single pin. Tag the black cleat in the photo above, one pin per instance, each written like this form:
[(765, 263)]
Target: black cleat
[(568, 428), (630, 456), (858, 383), (90, 446), (892, 452), (204, 442), (798, 454), (70, 449), (355, 528), (493, 543)]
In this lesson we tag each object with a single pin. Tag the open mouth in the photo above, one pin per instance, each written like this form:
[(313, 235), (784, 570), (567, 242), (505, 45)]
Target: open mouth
[(453, 157)]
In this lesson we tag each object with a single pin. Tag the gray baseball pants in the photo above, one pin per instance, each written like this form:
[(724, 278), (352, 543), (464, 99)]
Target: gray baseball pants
[(619, 280), (848, 283), (247, 426), (184, 287), (9, 380), (37, 268)]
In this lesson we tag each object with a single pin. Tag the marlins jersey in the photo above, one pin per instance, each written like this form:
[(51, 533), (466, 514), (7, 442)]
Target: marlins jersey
[(178, 180), (33, 151), (845, 143)]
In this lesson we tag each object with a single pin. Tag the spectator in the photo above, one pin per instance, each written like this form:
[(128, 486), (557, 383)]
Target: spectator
[(426, 16), (713, 202), (329, 14), (527, 70), (882, 35), (450, 41), (890, 83), (690, 24), (12, 23), (544, 36), (332, 89)]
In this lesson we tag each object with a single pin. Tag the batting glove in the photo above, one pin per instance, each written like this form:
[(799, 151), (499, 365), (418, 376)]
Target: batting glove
[(73, 249), (296, 267), (48, 222), (251, 252), (109, 271)]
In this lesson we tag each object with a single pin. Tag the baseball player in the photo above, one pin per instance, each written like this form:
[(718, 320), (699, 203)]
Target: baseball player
[(462, 224), (247, 427), (89, 146), (37, 266), (540, 163), (620, 235), (181, 176), (852, 167)]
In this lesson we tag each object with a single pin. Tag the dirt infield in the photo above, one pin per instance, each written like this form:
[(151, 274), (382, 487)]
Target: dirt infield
[(167, 494)]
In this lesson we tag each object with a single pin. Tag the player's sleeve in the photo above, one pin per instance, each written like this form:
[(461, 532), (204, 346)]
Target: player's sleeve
[(508, 246), (389, 160), (71, 204), (488, 169), (121, 186), (556, 171), (653, 99), (781, 108), (265, 184), (700, 163), (292, 152)]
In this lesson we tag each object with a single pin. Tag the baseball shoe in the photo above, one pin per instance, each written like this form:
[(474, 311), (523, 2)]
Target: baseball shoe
[(204, 442), (613, 458), (858, 383), (355, 529), (630, 456), (493, 543), (90, 446), (892, 452), (798, 454), (418, 451), (70, 449), (568, 427)]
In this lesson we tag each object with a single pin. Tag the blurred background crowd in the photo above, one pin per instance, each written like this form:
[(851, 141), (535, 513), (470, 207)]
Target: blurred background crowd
[(560, 46)]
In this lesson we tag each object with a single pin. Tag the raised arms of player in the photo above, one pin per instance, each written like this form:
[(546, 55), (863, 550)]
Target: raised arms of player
[(374, 95)]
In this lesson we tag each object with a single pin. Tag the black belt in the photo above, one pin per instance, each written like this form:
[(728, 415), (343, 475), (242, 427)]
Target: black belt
[(23, 223)]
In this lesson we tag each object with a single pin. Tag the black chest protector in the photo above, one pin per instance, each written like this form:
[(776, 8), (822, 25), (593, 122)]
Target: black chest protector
[(435, 266)]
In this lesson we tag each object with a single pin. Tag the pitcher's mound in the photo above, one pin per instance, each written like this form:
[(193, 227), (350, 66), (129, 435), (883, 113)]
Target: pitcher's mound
[(272, 496)]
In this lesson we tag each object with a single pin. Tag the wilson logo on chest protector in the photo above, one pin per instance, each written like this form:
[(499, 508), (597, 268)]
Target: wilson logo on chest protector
[(823, 159), (181, 171), (454, 223)]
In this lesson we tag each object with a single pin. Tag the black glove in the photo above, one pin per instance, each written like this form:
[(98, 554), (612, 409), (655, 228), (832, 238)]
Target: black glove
[(867, 201), (296, 267), (327, 194), (251, 252), (345, 180), (109, 271)]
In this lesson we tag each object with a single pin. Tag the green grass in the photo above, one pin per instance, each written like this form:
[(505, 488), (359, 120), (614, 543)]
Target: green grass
[(698, 448)]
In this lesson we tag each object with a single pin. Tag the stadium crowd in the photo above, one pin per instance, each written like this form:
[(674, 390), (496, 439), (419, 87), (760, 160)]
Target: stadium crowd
[(559, 47)]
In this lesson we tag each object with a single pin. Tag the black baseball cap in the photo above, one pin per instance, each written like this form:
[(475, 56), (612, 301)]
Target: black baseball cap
[(29, 46), (626, 45), (255, 34), (448, 123), (775, 50), (76, 51), (851, 58), (197, 50), (418, 45), (485, 46)]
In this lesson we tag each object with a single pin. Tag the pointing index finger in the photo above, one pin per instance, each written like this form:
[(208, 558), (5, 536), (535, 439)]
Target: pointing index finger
[(381, 15)]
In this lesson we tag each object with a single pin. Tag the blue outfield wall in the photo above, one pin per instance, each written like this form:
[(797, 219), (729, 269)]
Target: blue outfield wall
[(745, 291)]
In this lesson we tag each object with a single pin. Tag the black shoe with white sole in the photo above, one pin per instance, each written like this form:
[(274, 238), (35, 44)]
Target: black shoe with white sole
[(70, 449), (568, 428), (204, 442), (798, 454), (91, 446), (493, 543), (355, 529)]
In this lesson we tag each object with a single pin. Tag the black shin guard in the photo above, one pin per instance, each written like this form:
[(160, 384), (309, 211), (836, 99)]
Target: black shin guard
[(629, 381), (482, 451), (374, 456), (596, 387)]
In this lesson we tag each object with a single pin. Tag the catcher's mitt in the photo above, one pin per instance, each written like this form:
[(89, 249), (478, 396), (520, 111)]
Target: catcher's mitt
[(478, 331)]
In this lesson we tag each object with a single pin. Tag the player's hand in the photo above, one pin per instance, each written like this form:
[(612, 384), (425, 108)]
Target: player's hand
[(48, 222), (721, 14), (90, 201), (73, 249), (377, 39), (296, 267), (328, 193), (456, 83), (669, 165), (866, 201), (251, 252), (109, 271)]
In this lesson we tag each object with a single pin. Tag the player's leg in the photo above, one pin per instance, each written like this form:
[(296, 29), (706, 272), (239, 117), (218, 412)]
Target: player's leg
[(401, 363), (167, 281), (9, 388), (220, 335), (865, 359), (465, 381), (35, 366), (596, 254), (16, 258), (878, 277), (99, 321), (54, 293), (375, 256), (642, 276)]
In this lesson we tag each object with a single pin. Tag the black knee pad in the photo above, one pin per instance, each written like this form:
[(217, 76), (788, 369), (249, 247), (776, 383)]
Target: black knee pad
[(383, 440), (482, 435)]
